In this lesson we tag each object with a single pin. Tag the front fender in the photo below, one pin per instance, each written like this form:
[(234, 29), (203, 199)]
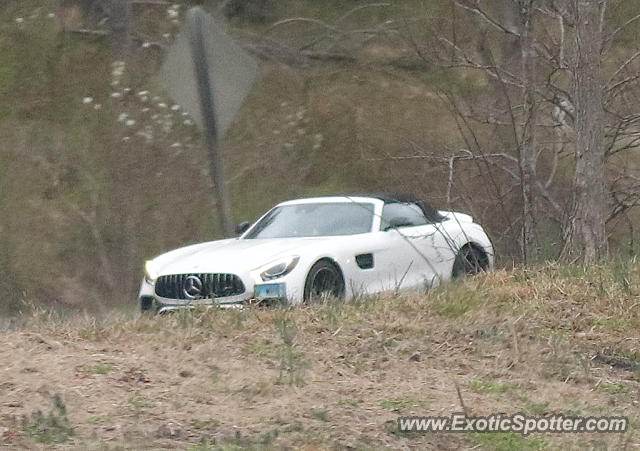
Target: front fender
[(475, 234)]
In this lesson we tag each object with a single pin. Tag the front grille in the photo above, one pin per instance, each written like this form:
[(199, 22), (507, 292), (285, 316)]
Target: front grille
[(199, 286)]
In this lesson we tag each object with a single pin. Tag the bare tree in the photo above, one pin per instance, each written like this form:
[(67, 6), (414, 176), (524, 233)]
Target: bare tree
[(548, 109), (554, 101), (527, 148), (120, 24), (586, 235)]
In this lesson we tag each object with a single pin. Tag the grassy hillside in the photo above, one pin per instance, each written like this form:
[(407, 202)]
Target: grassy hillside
[(547, 340)]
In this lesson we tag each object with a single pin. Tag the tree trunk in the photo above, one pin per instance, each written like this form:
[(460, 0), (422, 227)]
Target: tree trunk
[(120, 26), (518, 55), (527, 148), (515, 55), (587, 238)]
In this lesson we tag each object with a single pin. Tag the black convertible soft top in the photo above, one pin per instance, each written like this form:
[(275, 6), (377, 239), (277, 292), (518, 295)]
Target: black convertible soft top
[(432, 214)]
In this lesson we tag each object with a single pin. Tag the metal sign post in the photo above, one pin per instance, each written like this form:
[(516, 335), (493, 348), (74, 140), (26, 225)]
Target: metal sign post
[(209, 75), (195, 21)]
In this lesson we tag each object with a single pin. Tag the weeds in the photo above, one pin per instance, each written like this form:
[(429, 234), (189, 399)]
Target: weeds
[(204, 424), (139, 404), (286, 327), (321, 415), (238, 443), (536, 408), (51, 428), (455, 300), (397, 405), (292, 362), (488, 387), (236, 318), (612, 389), (621, 270), (185, 318), (564, 333), (100, 419), (348, 403), (102, 368), (507, 441), (263, 348), (292, 367), (333, 311), (624, 361), (99, 368)]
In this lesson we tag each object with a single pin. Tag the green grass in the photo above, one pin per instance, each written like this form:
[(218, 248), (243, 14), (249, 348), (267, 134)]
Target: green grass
[(503, 441), (102, 368), (612, 389), (293, 364), (208, 423), (53, 427), (264, 442), (348, 403), (612, 323), (262, 348), (100, 419), (557, 346), (484, 386), (536, 408), (293, 367), (455, 300), (140, 403), (398, 405), (322, 415)]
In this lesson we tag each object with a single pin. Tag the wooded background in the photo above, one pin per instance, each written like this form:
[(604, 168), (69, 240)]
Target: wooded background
[(521, 113)]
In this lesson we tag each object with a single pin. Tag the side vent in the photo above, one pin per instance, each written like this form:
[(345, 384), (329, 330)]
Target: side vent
[(364, 261)]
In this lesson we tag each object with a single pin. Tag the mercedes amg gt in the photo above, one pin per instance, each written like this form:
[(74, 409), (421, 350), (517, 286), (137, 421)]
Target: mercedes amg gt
[(304, 250)]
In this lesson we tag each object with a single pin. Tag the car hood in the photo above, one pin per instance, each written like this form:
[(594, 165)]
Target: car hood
[(230, 256)]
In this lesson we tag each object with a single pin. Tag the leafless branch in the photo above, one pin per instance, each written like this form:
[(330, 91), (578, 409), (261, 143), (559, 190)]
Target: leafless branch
[(475, 8), (609, 39), (626, 64)]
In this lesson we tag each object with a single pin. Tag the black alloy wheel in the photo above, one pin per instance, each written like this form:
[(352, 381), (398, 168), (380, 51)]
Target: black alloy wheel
[(469, 262), (323, 281)]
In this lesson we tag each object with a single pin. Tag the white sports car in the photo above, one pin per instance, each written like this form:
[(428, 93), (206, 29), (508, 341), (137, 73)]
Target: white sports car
[(305, 249)]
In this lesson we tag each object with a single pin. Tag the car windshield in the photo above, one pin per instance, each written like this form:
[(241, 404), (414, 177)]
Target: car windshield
[(314, 219)]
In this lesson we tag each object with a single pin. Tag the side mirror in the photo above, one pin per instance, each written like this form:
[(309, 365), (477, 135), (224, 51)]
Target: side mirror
[(396, 222), (242, 227)]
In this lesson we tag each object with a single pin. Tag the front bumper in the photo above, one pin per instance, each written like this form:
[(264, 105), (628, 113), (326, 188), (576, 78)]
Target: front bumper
[(255, 293)]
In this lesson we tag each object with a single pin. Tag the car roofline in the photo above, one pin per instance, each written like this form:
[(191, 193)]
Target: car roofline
[(332, 199), (378, 199)]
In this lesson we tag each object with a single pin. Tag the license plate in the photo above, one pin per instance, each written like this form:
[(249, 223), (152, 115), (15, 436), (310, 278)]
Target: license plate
[(270, 291)]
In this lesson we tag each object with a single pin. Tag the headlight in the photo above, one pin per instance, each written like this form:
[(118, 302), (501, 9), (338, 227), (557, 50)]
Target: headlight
[(150, 274), (280, 268)]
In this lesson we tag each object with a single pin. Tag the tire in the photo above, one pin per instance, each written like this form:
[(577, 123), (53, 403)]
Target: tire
[(324, 280), (469, 262)]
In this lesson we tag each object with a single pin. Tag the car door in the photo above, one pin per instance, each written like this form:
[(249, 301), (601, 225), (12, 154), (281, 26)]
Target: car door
[(412, 256), (364, 263)]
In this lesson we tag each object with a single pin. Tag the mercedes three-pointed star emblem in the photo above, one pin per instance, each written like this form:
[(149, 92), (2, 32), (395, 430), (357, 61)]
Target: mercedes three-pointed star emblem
[(192, 288)]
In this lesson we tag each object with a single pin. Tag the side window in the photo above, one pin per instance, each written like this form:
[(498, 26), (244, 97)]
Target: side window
[(402, 214)]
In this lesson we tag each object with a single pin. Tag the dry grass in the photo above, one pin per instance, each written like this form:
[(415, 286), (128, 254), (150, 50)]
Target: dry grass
[(549, 340)]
